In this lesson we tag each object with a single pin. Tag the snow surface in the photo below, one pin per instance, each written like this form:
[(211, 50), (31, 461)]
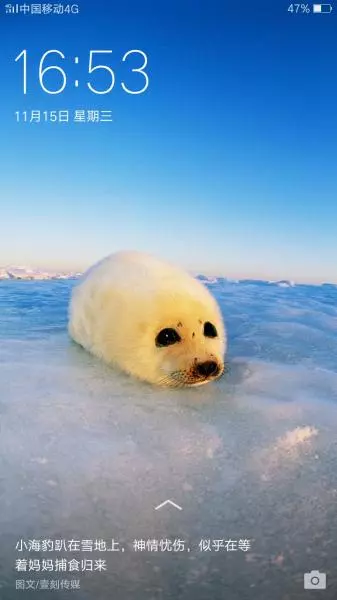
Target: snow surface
[(87, 452)]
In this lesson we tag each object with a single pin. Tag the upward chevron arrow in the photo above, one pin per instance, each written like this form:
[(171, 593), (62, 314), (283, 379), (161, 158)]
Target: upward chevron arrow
[(168, 502)]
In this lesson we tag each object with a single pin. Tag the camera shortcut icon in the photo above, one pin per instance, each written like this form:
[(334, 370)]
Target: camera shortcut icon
[(314, 581)]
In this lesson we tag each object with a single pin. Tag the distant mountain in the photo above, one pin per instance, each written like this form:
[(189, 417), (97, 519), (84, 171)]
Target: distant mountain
[(283, 283), (34, 274), (207, 279)]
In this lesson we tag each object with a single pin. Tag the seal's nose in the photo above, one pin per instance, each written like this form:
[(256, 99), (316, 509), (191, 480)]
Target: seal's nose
[(208, 368)]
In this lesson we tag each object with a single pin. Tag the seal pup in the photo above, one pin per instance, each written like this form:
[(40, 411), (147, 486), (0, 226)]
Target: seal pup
[(150, 319)]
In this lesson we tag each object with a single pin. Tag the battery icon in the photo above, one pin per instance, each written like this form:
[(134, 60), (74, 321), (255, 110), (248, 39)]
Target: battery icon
[(322, 8)]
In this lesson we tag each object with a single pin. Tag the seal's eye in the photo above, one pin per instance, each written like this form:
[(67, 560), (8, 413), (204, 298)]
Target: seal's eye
[(166, 337), (209, 330)]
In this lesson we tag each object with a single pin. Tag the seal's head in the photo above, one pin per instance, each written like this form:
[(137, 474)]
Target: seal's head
[(188, 342), (151, 319), (181, 338)]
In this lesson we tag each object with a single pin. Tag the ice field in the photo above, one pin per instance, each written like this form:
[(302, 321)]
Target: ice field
[(87, 453)]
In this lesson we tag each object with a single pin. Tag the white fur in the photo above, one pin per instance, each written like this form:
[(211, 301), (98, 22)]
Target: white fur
[(121, 304)]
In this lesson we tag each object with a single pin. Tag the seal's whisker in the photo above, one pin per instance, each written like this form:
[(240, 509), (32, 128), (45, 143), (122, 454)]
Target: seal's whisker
[(226, 369)]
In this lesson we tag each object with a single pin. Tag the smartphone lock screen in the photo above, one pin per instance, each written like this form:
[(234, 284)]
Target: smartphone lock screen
[(168, 300)]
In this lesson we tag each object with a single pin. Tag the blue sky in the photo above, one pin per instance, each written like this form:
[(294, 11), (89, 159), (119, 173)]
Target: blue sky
[(226, 164)]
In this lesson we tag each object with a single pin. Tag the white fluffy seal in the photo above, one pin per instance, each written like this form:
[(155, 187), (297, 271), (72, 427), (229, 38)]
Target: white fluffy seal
[(149, 318)]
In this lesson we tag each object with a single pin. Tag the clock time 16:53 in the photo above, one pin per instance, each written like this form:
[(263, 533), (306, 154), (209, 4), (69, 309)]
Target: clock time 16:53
[(95, 65)]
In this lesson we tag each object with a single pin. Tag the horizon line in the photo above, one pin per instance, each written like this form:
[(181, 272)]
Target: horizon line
[(193, 272)]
